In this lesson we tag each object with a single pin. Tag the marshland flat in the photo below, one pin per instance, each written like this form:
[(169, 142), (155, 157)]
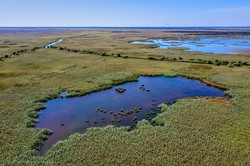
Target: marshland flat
[(102, 83), (60, 101)]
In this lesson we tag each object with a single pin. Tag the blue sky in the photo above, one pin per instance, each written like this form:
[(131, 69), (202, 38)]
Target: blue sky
[(124, 12)]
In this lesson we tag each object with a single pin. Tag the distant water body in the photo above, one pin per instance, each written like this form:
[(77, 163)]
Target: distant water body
[(205, 45)]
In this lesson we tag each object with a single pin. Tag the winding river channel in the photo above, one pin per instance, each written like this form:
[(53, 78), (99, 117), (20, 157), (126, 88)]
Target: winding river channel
[(53, 43)]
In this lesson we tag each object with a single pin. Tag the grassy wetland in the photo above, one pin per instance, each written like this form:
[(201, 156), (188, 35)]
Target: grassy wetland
[(192, 131)]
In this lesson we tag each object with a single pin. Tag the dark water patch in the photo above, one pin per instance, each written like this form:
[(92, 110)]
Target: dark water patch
[(66, 116)]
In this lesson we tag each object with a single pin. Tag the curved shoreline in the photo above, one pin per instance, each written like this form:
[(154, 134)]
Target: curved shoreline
[(212, 99)]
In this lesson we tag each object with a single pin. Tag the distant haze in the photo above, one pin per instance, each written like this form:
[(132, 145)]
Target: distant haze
[(124, 13)]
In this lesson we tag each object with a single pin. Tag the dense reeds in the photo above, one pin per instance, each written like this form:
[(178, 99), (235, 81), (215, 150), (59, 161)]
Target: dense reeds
[(190, 132)]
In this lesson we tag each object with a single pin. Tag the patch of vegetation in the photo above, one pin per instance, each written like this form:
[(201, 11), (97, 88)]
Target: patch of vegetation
[(111, 78), (120, 90)]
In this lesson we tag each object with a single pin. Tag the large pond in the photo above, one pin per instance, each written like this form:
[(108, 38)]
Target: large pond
[(66, 116), (206, 45)]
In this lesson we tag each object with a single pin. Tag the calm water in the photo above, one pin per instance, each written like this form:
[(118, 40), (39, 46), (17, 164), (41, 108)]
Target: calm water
[(206, 45), (66, 116)]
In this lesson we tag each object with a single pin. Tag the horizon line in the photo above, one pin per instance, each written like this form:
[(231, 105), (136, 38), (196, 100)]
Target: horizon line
[(125, 26)]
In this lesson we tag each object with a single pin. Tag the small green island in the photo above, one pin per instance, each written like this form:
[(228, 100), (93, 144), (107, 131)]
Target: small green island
[(120, 90)]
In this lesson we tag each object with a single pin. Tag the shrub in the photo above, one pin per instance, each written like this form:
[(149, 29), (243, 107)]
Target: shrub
[(163, 58), (245, 63), (225, 62), (217, 64), (151, 58), (238, 64)]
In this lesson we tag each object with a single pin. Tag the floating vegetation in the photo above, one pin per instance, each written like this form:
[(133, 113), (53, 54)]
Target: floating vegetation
[(135, 119), (120, 90), (152, 113), (120, 113), (130, 112), (137, 110)]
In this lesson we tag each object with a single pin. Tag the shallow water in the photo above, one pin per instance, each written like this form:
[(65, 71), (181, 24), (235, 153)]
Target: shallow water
[(53, 43), (66, 116), (206, 45)]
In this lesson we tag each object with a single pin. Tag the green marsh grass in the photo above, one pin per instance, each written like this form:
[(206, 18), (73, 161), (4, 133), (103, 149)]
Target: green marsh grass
[(190, 132)]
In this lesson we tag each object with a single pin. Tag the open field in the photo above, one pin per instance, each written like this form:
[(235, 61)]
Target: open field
[(190, 132)]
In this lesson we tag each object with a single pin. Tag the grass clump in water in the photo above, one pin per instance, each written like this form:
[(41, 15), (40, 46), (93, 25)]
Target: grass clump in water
[(120, 90)]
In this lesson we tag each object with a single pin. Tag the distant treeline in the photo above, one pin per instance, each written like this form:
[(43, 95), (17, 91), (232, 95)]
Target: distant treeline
[(16, 53), (88, 52), (215, 62), (173, 59)]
